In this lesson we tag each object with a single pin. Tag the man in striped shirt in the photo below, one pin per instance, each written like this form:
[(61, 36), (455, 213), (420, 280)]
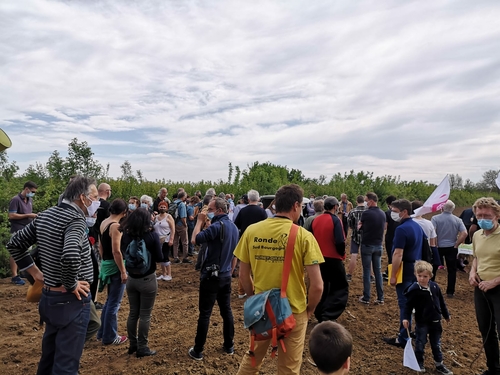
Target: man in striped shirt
[(64, 251)]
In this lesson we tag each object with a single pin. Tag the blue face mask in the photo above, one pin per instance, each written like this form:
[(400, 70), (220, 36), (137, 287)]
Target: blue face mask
[(132, 206), (210, 215), (144, 205), (30, 194), (485, 224)]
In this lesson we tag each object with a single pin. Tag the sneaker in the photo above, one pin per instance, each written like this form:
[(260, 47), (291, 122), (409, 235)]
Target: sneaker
[(241, 296), (229, 351), (146, 352), (17, 280), (161, 277), (450, 295), (119, 340), (394, 342), (441, 268), (186, 260), (442, 369), (363, 301), (176, 260), (422, 368), (379, 302), (349, 278), (194, 354), (167, 278)]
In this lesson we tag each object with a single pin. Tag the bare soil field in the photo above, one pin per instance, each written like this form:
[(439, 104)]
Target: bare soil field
[(173, 328)]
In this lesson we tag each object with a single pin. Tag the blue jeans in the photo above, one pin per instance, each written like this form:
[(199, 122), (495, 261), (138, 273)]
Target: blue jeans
[(434, 330), (211, 291), (66, 319), (400, 288), (372, 255), (109, 314)]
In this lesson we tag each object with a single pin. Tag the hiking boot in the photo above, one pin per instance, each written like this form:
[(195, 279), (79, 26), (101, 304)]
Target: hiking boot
[(194, 354), (17, 280), (132, 349), (441, 369)]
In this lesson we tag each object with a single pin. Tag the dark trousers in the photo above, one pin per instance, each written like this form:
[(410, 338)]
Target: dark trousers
[(211, 291), (66, 319), (434, 330), (344, 225), (488, 319), (190, 245), (335, 290), (141, 296), (388, 248), (95, 267), (450, 256)]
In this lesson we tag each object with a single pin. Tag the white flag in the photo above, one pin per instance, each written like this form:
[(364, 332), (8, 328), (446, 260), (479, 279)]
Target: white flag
[(498, 180), (437, 199), (409, 359)]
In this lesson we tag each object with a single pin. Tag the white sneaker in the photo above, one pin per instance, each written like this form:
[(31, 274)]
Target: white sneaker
[(241, 296), (160, 277), (167, 278)]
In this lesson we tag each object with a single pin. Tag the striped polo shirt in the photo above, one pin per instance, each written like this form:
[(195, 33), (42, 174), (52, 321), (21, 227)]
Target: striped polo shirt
[(63, 245)]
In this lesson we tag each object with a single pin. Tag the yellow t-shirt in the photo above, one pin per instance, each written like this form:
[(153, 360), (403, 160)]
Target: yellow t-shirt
[(263, 247), (487, 251)]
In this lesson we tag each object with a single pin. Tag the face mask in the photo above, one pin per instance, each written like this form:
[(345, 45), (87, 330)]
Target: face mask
[(395, 216), (90, 221), (30, 194), (144, 205), (92, 207), (210, 215), (273, 206), (132, 206), (485, 224), (366, 204), (162, 210)]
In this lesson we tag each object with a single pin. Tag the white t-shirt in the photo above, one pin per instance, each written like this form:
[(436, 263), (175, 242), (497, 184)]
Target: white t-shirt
[(426, 226)]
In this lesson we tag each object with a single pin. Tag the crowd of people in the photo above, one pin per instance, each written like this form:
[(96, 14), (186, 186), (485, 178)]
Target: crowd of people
[(85, 243)]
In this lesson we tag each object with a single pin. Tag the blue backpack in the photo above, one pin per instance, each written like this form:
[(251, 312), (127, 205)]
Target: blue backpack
[(137, 257)]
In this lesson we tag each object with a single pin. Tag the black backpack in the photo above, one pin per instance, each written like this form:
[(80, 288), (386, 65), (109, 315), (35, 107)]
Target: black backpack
[(173, 210), (426, 251)]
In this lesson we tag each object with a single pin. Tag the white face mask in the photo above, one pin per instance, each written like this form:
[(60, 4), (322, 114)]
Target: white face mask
[(395, 216), (92, 207), (90, 221)]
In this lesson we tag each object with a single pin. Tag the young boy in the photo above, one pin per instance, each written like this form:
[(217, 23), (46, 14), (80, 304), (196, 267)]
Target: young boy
[(426, 298), (330, 346)]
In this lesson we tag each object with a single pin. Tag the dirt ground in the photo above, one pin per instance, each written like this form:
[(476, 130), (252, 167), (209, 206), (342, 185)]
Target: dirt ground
[(173, 328)]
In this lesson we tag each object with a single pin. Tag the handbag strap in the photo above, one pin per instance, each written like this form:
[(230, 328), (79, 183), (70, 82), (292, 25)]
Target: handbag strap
[(288, 258)]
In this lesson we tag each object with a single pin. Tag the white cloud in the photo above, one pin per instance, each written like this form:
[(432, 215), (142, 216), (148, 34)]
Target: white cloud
[(182, 88)]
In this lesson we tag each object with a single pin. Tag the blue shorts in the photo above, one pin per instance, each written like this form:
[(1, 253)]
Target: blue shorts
[(354, 247)]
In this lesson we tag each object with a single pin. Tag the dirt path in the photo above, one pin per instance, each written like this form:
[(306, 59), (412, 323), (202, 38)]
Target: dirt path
[(173, 329)]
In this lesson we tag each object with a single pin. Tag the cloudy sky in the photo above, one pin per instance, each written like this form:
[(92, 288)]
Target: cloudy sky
[(182, 88)]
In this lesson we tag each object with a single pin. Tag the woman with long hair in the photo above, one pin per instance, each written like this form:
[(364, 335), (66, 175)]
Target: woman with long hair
[(141, 288), (113, 273), (164, 226)]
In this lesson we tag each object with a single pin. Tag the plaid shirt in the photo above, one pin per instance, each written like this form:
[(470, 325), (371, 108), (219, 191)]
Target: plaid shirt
[(352, 220)]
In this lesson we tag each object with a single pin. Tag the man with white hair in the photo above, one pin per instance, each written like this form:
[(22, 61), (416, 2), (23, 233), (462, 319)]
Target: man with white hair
[(451, 233), (162, 197)]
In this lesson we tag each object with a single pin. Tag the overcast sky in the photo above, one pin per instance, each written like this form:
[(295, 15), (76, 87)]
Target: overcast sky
[(182, 88)]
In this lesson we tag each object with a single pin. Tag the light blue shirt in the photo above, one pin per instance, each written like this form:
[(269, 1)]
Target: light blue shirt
[(447, 226)]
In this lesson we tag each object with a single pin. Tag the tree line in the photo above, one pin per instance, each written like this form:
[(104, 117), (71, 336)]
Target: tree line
[(52, 177)]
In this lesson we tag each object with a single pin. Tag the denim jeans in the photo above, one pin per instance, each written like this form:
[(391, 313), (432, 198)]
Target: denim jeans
[(190, 245), (211, 291), (109, 314), (488, 316), (372, 255), (434, 330), (141, 296), (400, 288), (66, 319)]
